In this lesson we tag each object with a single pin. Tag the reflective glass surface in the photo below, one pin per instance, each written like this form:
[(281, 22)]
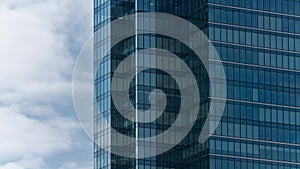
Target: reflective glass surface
[(259, 44)]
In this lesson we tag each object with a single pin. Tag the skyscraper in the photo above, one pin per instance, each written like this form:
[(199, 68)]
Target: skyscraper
[(259, 45)]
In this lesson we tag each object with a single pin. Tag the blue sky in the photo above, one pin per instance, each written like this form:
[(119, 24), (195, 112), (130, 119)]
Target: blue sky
[(40, 40)]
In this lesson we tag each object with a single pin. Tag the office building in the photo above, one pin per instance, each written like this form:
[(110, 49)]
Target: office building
[(259, 45)]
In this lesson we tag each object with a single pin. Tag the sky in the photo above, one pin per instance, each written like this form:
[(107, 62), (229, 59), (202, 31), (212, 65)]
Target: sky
[(39, 43)]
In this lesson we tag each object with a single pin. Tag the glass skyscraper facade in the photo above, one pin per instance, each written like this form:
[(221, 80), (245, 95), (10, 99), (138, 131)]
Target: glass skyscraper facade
[(259, 45)]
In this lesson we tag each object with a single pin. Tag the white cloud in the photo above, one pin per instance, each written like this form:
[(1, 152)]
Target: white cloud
[(72, 165), (27, 162), (22, 135), (38, 163), (37, 43)]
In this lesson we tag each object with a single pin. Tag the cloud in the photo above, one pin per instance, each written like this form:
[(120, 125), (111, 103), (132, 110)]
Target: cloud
[(38, 163), (26, 136), (27, 162), (39, 41), (72, 165)]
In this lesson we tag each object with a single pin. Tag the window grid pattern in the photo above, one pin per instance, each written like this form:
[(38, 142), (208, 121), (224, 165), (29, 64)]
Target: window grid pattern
[(258, 42)]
